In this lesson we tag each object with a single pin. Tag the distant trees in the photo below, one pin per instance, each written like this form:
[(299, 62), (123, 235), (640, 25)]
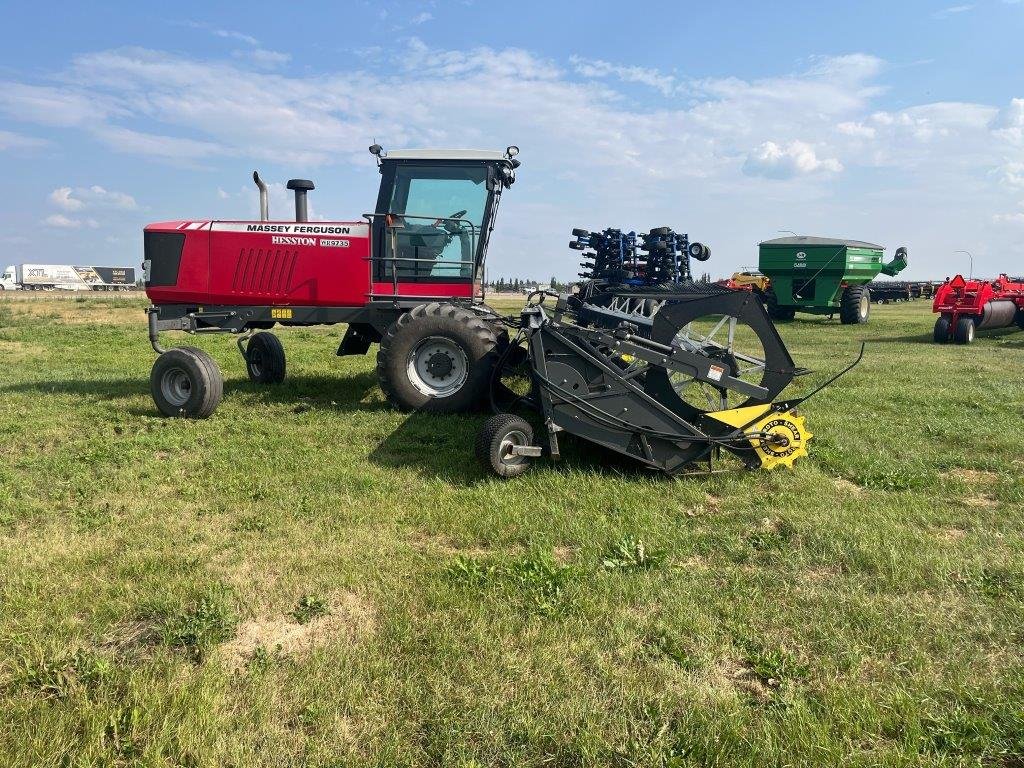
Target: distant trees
[(520, 284)]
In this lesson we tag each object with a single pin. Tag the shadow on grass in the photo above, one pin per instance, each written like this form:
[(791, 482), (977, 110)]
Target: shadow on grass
[(995, 334), (444, 447), (441, 446), (304, 392)]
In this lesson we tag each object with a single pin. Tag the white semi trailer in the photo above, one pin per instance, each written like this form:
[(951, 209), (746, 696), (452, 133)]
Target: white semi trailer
[(65, 277)]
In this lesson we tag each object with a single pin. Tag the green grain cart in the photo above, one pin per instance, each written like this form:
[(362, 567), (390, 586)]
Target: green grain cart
[(823, 276)]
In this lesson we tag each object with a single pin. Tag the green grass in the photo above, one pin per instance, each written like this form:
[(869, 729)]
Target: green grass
[(311, 578)]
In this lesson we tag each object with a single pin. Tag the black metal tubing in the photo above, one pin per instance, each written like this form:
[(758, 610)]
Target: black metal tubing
[(612, 411)]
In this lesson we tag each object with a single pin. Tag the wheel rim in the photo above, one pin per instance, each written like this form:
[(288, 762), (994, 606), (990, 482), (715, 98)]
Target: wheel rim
[(733, 345), (176, 386), (515, 438), (255, 361), (865, 306), (438, 366)]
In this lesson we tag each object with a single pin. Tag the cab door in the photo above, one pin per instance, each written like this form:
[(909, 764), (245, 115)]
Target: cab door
[(429, 226)]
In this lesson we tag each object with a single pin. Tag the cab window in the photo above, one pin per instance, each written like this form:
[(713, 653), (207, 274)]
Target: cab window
[(437, 215)]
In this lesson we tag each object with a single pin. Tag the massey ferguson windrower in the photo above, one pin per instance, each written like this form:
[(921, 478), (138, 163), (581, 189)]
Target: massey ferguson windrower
[(641, 360), (408, 276)]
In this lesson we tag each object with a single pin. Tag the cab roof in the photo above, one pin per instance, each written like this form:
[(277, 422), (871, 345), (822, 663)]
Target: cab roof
[(446, 154)]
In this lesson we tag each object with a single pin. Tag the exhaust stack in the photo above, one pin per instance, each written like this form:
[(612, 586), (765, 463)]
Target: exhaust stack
[(301, 187), (264, 197)]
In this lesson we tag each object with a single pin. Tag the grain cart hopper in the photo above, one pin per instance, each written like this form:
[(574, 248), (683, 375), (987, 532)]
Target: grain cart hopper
[(408, 276), (966, 306), (822, 276)]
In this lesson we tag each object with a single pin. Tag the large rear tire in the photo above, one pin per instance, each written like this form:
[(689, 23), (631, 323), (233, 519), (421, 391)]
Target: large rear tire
[(437, 358), (941, 332), (186, 382), (264, 359), (855, 305)]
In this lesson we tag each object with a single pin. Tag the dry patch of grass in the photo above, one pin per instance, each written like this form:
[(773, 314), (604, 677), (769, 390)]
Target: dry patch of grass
[(950, 534), (973, 476), (730, 676), (845, 486), (348, 619)]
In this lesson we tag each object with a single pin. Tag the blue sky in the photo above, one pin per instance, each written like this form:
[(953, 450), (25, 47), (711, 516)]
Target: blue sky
[(899, 123)]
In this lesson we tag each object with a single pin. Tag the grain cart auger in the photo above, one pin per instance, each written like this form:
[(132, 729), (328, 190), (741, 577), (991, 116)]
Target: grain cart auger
[(408, 276), (703, 379)]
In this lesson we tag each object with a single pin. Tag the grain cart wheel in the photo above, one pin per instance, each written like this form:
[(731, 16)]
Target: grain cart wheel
[(186, 382), (941, 332), (775, 312), (855, 305), (497, 439), (437, 358), (964, 331), (264, 359)]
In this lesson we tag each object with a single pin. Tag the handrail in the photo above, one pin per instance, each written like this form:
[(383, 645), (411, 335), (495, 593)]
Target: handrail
[(462, 223)]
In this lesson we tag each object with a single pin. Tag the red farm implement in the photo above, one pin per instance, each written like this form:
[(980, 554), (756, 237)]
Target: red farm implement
[(966, 306)]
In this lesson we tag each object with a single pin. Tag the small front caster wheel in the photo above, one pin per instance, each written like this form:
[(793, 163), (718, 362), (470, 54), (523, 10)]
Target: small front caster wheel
[(499, 442), (264, 359), (186, 382)]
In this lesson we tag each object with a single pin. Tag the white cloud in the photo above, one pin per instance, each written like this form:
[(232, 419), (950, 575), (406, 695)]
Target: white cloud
[(1008, 124), (796, 158), (421, 18), (154, 145), (61, 221), (1009, 218), (62, 199), (952, 10), (596, 68), (856, 129), (227, 34), (94, 197), (10, 140), (264, 58), (1011, 175), (60, 106)]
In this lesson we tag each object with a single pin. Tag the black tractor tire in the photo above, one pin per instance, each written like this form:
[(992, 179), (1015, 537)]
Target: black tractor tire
[(855, 305), (964, 331), (941, 332), (495, 439), (186, 382), (1020, 319), (427, 346), (775, 312), (264, 359)]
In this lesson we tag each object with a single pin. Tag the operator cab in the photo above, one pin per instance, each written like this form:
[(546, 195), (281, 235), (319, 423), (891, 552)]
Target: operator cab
[(435, 212)]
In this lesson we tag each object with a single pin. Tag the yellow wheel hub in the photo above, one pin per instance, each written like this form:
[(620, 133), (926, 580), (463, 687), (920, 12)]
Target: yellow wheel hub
[(777, 438)]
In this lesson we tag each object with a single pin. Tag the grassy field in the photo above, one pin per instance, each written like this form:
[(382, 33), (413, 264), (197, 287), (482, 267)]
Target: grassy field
[(311, 578)]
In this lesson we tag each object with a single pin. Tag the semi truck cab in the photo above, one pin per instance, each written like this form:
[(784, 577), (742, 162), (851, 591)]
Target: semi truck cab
[(9, 280)]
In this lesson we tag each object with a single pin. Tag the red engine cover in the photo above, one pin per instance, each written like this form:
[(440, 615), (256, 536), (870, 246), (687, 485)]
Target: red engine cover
[(260, 263), (269, 262)]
